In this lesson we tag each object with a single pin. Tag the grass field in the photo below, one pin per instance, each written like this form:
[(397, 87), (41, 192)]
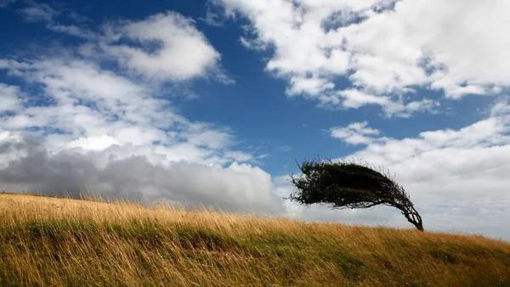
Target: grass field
[(64, 242)]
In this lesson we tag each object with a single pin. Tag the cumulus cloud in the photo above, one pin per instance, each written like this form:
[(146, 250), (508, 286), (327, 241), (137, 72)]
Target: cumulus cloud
[(457, 178), (9, 98), (386, 49), (355, 133), (164, 46)]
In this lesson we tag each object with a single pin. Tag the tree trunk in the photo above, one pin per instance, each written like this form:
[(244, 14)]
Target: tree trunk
[(413, 217)]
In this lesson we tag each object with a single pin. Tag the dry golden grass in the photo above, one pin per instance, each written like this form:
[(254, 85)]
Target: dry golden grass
[(65, 242)]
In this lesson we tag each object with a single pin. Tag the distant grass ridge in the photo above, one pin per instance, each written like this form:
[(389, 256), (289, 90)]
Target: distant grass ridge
[(64, 242)]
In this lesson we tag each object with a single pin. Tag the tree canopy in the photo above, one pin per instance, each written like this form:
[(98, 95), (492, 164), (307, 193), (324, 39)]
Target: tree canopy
[(351, 185)]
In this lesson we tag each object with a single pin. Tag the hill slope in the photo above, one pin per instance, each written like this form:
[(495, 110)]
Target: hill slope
[(64, 242)]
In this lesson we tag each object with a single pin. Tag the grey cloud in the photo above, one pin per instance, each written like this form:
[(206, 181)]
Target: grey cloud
[(240, 188), (37, 172)]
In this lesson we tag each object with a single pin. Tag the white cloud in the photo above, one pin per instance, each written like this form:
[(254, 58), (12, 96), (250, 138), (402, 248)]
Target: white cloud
[(163, 47), (465, 55), (354, 98), (212, 16), (355, 133), (72, 30), (312, 86), (94, 108), (9, 98), (36, 12), (385, 48), (97, 143), (397, 106), (12, 147), (41, 12), (458, 179)]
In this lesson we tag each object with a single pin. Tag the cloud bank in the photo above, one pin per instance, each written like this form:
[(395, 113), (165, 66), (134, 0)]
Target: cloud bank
[(237, 187)]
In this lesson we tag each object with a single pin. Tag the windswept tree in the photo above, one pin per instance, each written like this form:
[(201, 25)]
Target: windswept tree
[(351, 185)]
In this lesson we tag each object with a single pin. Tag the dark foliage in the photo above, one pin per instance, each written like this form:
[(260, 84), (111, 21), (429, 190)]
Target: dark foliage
[(351, 185)]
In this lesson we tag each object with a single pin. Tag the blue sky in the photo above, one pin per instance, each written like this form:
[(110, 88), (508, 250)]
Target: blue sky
[(213, 102)]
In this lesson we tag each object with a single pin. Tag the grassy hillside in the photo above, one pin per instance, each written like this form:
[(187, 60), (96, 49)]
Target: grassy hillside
[(63, 242)]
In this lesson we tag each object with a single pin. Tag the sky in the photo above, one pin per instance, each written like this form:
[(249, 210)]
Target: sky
[(215, 103)]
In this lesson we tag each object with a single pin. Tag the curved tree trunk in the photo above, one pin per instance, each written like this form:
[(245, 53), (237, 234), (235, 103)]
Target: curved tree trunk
[(413, 216), (407, 209)]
